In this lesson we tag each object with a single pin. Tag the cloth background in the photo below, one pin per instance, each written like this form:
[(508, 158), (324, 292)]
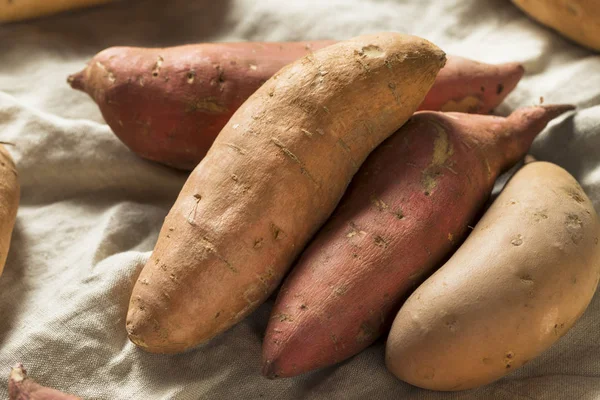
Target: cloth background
[(91, 210)]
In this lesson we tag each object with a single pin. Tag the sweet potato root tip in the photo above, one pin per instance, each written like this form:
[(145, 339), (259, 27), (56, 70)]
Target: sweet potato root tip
[(77, 80), (268, 370), (21, 387)]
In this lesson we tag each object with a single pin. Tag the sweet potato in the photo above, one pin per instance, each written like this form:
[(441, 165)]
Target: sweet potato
[(17, 10), (168, 105), (9, 202), (578, 20), (22, 387), (519, 282), (406, 209), (272, 177)]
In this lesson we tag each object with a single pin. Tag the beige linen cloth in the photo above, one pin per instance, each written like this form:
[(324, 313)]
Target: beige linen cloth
[(91, 210)]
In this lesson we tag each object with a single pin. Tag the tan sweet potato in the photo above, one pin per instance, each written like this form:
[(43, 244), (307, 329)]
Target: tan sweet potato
[(22, 387), (578, 20), (168, 105), (9, 202), (272, 177), (17, 10), (520, 281), (406, 209)]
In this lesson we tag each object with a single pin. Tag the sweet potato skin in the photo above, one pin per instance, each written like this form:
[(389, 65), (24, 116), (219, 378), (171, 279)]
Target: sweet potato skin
[(272, 177), (168, 105), (519, 282), (22, 387), (406, 209), (468, 86), (26, 9), (578, 20), (9, 202)]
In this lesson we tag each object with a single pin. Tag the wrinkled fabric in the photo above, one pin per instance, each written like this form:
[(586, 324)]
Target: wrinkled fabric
[(91, 210)]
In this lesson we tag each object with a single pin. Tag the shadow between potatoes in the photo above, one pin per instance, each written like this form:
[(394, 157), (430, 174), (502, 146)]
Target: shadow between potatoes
[(13, 289)]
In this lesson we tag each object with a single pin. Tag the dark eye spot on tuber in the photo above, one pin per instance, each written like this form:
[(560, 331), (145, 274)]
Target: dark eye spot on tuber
[(379, 241), (526, 278), (190, 76), (517, 240), (483, 88), (500, 88)]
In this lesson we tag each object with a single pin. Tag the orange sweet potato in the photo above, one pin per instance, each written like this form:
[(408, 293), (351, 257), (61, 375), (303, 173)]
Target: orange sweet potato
[(22, 387), (273, 176), (9, 202), (19, 10), (407, 208), (168, 105)]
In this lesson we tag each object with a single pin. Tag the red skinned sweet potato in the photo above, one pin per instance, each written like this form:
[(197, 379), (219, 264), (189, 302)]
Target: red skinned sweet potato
[(168, 105), (406, 209), (22, 387)]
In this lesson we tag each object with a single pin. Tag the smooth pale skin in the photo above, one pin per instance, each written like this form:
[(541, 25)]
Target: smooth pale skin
[(271, 179), (405, 211), (579, 20), (9, 202), (18, 10), (168, 105), (519, 282)]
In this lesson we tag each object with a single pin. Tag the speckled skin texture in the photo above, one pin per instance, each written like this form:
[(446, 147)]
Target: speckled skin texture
[(22, 387), (273, 176), (18, 10), (9, 202), (519, 282), (578, 20), (407, 208), (172, 113)]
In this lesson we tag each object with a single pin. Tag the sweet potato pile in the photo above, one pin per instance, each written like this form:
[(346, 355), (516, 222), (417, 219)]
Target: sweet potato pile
[(358, 167)]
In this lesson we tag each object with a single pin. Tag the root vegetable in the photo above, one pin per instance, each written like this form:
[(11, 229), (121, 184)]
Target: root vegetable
[(18, 10), (272, 177), (9, 202), (22, 387), (578, 20), (519, 282), (168, 105), (405, 211)]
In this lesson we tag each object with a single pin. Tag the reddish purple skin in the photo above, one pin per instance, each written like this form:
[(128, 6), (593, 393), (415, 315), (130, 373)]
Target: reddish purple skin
[(172, 113), (407, 208)]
